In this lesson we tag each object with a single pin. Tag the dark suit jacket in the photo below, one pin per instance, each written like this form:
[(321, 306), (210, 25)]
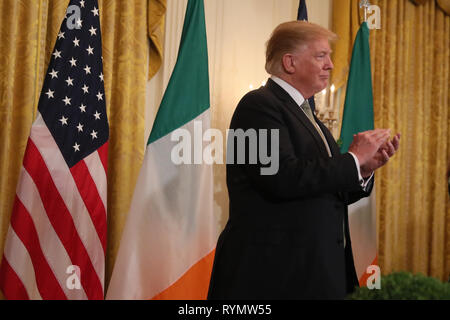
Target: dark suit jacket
[(284, 237)]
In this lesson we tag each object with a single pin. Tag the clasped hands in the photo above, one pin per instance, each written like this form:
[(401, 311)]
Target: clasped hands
[(373, 149)]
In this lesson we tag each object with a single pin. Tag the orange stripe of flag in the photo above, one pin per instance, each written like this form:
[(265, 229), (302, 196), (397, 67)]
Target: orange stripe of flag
[(193, 285), (365, 275)]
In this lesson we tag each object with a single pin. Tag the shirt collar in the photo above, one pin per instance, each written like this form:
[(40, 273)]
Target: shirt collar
[(294, 93)]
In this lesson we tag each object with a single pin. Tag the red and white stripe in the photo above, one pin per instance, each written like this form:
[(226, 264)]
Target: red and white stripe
[(58, 220)]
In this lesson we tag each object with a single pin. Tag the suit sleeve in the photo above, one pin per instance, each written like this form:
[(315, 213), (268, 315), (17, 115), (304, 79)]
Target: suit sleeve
[(296, 177), (355, 196)]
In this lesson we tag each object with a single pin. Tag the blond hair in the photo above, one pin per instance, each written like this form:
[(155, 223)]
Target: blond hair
[(289, 37)]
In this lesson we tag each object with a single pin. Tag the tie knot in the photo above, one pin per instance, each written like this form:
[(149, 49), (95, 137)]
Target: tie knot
[(307, 109)]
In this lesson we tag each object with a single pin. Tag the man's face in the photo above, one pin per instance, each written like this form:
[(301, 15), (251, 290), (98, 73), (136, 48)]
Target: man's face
[(312, 67)]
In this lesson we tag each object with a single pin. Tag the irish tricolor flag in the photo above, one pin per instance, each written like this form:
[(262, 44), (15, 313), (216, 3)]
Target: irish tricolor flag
[(168, 243), (358, 117)]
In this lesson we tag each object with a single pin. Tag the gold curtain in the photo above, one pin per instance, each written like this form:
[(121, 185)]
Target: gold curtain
[(410, 58), (28, 31)]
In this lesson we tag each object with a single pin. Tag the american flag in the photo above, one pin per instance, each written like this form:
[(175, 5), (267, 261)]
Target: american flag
[(56, 241)]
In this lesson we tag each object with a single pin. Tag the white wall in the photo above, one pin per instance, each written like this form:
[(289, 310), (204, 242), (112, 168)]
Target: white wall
[(319, 11)]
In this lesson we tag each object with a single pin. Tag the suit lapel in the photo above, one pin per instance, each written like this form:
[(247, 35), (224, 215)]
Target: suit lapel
[(292, 106), (334, 151)]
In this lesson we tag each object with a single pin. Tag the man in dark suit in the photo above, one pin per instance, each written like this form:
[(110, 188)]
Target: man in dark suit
[(287, 236)]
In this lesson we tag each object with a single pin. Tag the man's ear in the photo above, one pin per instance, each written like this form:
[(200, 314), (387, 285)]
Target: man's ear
[(288, 63)]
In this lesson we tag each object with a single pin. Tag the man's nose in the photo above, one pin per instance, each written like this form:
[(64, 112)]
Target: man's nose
[(328, 64)]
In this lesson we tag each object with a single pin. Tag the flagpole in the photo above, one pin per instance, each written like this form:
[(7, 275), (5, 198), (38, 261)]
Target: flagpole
[(364, 4)]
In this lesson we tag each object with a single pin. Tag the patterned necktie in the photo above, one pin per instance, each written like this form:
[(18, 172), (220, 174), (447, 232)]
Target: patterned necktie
[(307, 110)]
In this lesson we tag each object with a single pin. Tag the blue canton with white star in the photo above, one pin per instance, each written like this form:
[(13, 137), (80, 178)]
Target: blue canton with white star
[(72, 101)]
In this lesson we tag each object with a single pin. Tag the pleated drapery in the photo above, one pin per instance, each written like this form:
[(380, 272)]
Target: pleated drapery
[(131, 33)]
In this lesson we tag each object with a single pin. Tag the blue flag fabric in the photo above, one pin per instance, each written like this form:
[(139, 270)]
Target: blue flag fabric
[(302, 12), (72, 101)]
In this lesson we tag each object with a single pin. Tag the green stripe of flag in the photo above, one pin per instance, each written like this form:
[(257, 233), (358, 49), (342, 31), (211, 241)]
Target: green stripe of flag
[(187, 94), (358, 106)]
